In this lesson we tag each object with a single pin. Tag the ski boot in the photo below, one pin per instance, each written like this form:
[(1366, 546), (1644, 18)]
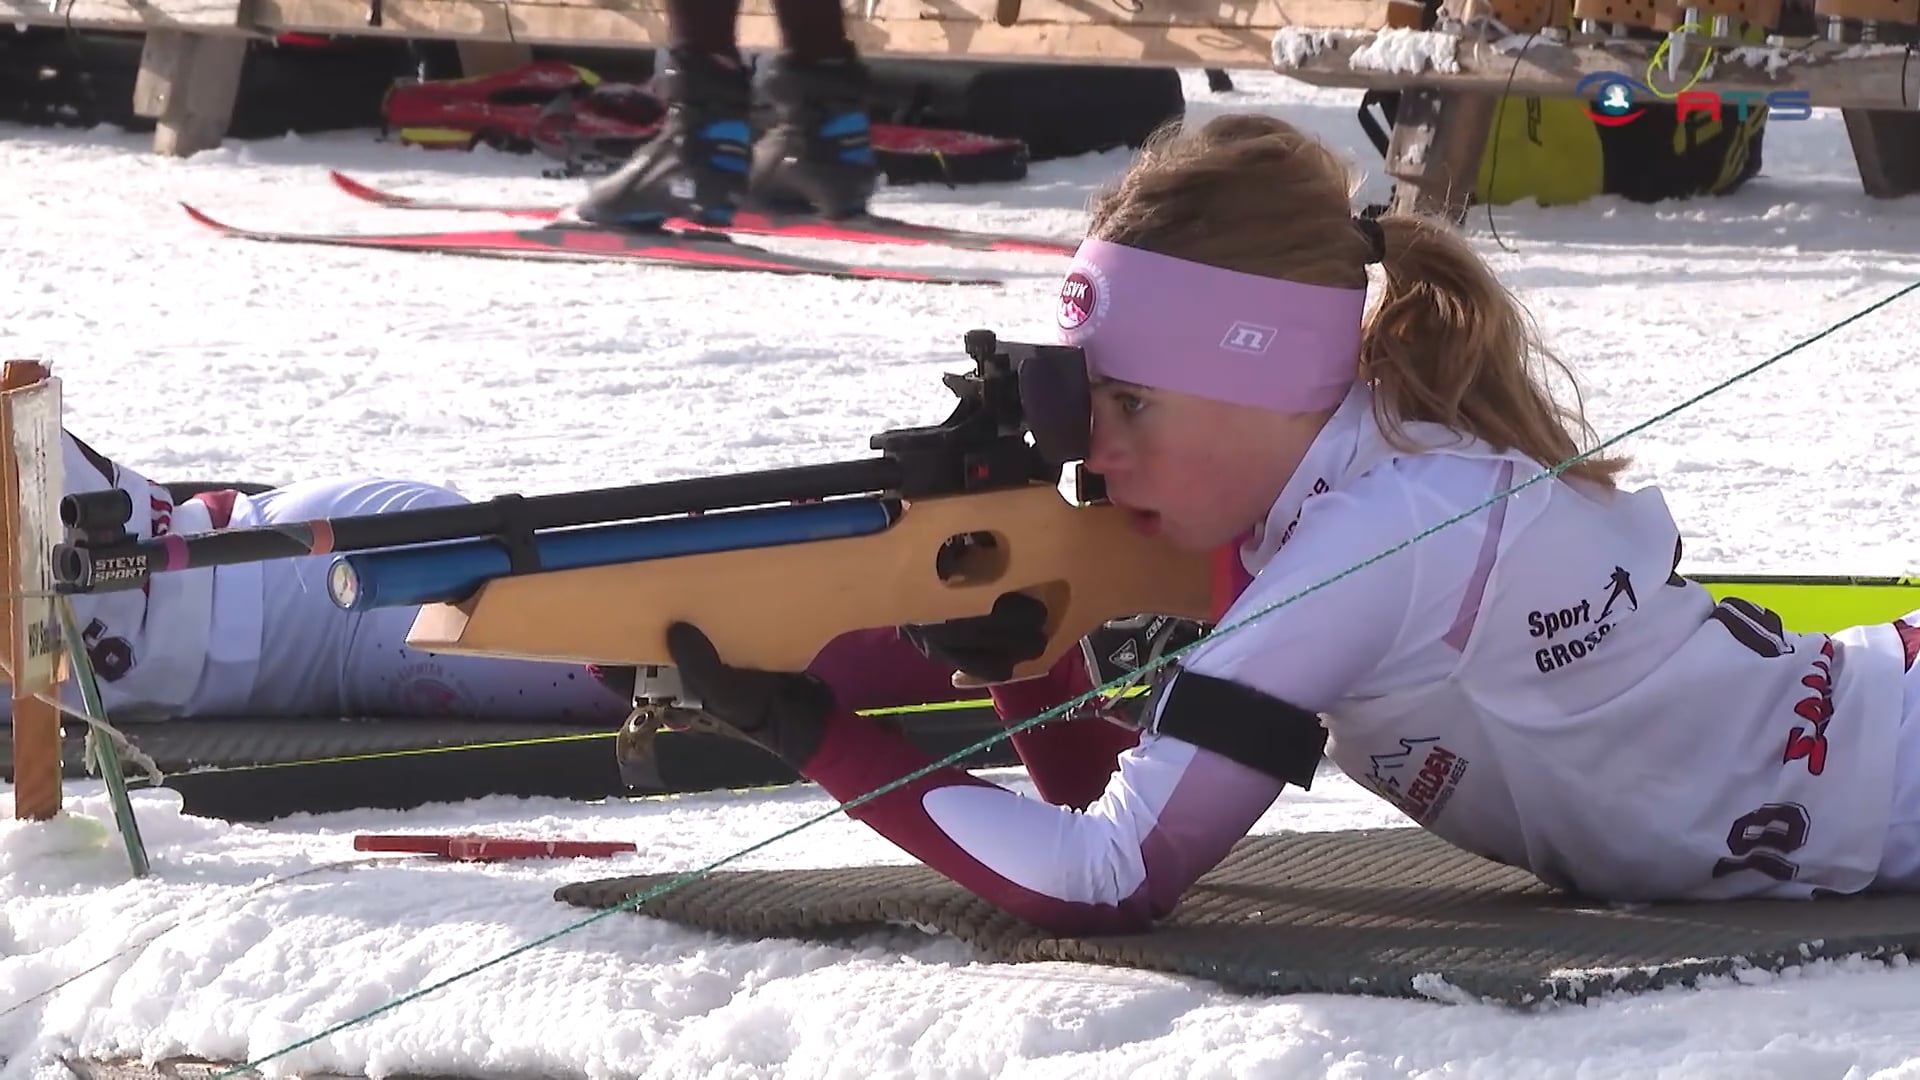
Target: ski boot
[(696, 168), (816, 156)]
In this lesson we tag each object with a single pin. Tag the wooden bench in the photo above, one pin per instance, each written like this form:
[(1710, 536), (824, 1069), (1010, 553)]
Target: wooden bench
[(1451, 77)]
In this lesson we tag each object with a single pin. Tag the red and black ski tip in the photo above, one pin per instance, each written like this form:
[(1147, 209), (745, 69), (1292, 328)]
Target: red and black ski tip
[(396, 201), (583, 243), (867, 229)]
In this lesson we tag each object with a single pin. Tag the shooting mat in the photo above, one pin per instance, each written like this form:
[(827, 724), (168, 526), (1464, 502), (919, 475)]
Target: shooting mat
[(261, 768), (1386, 912)]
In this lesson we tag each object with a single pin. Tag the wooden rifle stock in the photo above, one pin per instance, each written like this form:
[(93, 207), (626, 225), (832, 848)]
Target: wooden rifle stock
[(776, 608)]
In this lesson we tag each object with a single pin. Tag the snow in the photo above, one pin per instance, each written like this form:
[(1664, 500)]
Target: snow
[(1397, 51), (193, 357)]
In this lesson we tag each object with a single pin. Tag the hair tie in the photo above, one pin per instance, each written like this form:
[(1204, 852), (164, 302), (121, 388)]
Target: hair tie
[(1375, 236)]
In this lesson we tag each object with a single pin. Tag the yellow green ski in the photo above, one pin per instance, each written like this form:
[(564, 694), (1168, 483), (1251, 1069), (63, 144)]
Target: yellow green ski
[(1820, 603)]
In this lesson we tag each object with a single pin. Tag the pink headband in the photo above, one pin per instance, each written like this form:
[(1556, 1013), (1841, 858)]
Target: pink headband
[(1168, 323)]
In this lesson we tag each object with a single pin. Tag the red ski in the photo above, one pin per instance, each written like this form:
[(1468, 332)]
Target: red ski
[(867, 229), (585, 243), (478, 848)]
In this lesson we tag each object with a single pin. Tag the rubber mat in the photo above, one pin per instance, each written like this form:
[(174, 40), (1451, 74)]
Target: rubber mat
[(1387, 912), (257, 769)]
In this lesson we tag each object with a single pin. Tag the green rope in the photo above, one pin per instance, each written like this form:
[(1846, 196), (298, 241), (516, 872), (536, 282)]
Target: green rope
[(204, 771), (959, 755)]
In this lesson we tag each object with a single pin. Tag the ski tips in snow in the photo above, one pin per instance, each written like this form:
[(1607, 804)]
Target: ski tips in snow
[(865, 229), (196, 214), (366, 193), (589, 243)]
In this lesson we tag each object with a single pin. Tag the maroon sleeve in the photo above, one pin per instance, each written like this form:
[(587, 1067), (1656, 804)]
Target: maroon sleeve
[(1068, 760)]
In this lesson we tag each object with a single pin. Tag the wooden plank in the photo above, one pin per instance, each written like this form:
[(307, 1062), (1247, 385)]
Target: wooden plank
[(1434, 154), (31, 652), (1519, 16), (1905, 12), (953, 27), (1846, 77), (188, 83), (492, 57), (1208, 33), (134, 15), (1886, 149), (1253, 14)]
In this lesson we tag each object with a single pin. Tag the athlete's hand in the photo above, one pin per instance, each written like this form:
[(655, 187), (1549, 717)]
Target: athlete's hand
[(986, 647), (786, 712)]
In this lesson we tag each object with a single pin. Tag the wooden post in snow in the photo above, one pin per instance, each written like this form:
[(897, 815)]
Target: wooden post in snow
[(187, 85), (29, 509)]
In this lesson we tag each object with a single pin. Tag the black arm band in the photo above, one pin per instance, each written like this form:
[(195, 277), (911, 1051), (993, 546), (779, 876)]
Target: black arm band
[(1243, 725)]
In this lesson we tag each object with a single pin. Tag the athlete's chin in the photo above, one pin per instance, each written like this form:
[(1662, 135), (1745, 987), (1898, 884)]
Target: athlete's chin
[(1178, 532)]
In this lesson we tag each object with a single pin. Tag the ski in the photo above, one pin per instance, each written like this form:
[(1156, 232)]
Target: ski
[(867, 229), (586, 243)]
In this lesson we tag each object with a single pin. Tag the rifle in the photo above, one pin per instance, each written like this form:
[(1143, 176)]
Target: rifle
[(772, 565)]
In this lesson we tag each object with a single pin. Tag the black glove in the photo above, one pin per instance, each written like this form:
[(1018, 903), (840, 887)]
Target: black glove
[(986, 647), (786, 712)]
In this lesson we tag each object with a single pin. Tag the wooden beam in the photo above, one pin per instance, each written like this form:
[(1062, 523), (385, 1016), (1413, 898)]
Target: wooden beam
[(1886, 149), (1903, 12), (1845, 77), (29, 490), (1434, 154), (188, 83), (492, 57), (1190, 33), (133, 15)]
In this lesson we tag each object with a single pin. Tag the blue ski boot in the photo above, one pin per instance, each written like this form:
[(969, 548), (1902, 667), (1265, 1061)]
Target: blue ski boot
[(816, 156), (697, 167)]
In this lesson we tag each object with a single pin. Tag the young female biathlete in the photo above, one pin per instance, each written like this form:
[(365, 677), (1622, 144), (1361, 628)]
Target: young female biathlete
[(1533, 683)]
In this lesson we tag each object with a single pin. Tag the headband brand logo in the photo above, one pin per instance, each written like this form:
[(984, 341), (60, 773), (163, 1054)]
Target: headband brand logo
[(1083, 298), (1250, 338)]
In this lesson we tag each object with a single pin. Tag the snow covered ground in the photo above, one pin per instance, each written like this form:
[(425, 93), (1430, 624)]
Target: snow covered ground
[(192, 357)]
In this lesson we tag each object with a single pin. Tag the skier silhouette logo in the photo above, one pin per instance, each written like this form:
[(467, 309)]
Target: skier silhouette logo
[(1619, 583)]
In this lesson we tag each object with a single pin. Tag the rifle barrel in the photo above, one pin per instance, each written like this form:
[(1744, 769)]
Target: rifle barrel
[(127, 564), (449, 573)]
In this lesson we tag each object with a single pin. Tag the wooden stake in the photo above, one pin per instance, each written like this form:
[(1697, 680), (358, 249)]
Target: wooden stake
[(30, 657), (1886, 149), (1434, 154), (188, 83)]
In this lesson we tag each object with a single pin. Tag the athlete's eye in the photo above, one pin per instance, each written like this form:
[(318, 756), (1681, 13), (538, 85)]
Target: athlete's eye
[(1127, 401)]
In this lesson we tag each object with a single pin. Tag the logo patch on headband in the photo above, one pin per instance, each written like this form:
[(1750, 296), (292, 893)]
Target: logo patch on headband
[(1246, 337), (1083, 297)]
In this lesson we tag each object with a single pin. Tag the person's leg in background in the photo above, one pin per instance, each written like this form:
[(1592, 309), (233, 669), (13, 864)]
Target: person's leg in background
[(818, 154), (816, 157)]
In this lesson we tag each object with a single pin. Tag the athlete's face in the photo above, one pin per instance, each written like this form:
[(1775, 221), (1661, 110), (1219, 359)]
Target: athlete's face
[(1198, 472)]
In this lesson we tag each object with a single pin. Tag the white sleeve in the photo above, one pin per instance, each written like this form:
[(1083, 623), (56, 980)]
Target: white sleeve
[(1322, 630)]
